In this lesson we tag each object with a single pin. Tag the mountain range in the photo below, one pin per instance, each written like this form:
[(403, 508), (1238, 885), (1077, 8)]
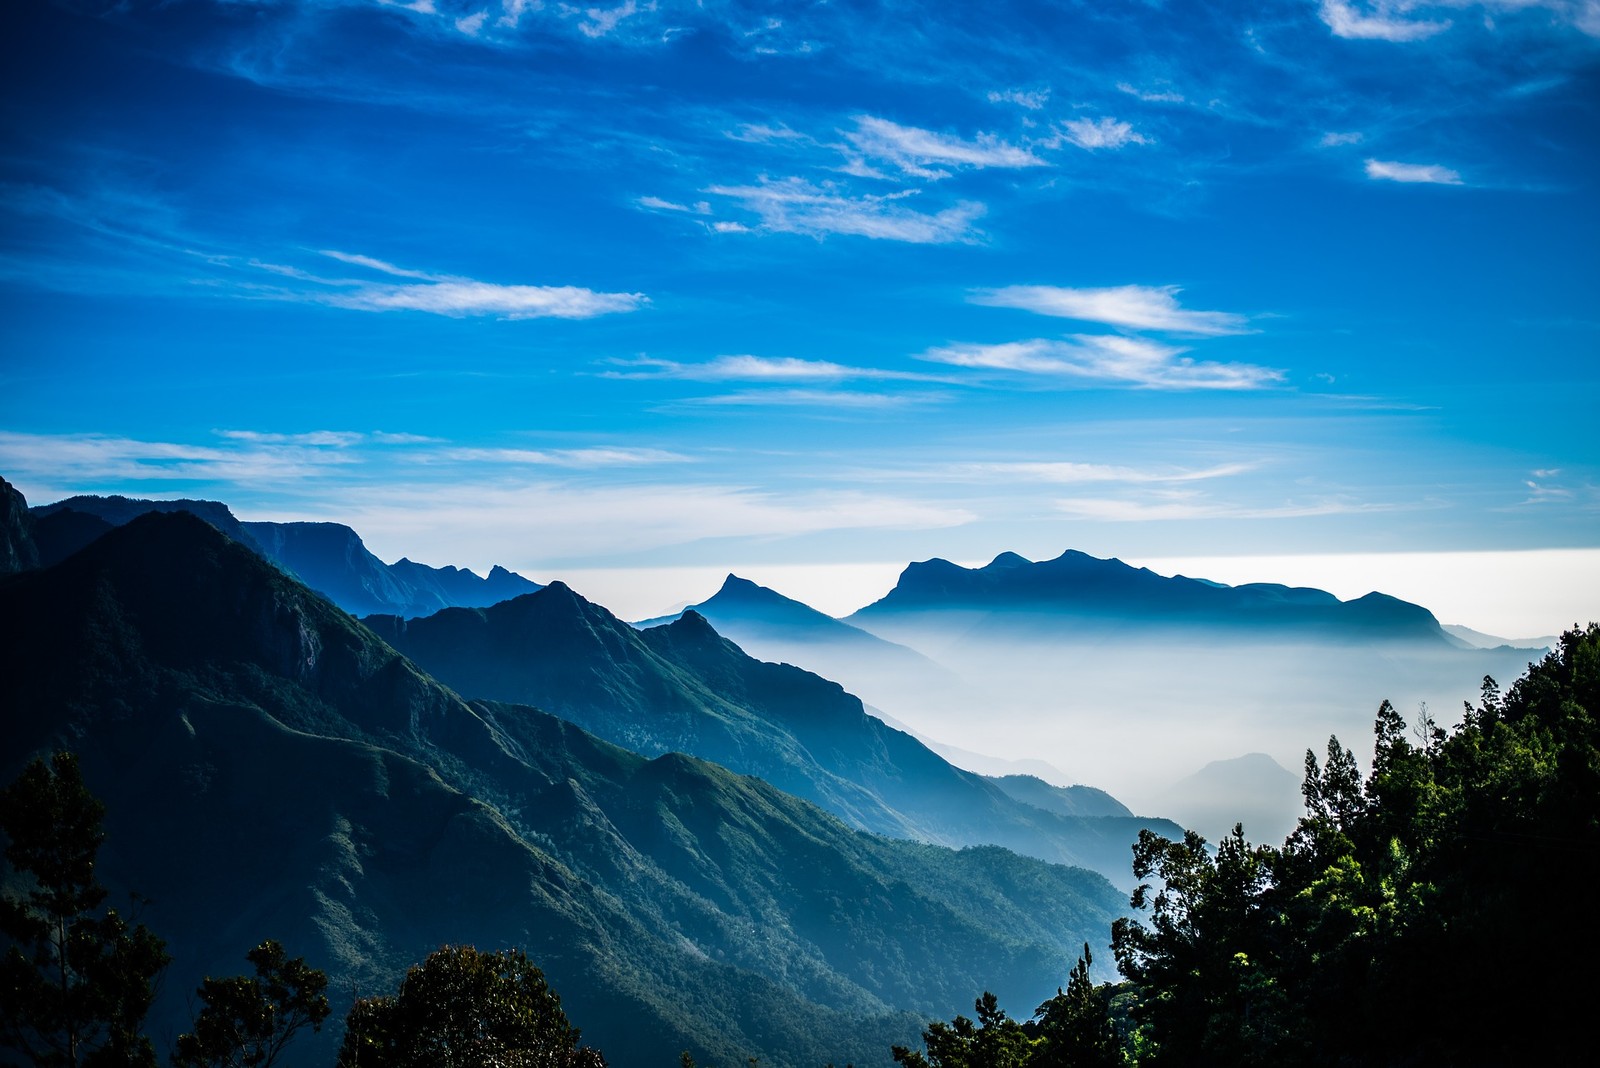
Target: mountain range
[(682, 687), (272, 768), (1076, 591), (1116, 675), (328, 557)]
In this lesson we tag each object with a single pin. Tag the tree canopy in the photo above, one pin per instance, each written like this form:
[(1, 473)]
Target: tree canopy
[(76, 980), (1432, 912), (463, 1008), (247, 1021)]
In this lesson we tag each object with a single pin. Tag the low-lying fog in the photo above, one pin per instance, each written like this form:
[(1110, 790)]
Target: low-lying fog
[(1140, 712)]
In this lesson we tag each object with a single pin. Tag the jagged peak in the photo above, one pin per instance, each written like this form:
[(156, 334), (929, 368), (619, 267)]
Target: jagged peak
[(692, 624)]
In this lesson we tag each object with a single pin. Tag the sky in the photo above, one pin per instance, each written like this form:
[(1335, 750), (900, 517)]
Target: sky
[(637, 294)]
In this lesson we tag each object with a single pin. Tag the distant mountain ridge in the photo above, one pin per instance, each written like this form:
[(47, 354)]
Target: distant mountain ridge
[(683, 687), (328, 557), (1078, 588), (272, 769), (770, 626)]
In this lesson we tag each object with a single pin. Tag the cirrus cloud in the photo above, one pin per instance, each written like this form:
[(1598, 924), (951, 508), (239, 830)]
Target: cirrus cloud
[(1133, 307), (1107, 358), (796, 206), (920, 152), (1426, 173)]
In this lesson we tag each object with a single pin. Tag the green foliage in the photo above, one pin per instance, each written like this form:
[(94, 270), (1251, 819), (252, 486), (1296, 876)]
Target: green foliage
[(994, 1041), (75, 982), (1368, 936), (246, 1021), (1381, 932), (1076, 1026), (461, 1008)]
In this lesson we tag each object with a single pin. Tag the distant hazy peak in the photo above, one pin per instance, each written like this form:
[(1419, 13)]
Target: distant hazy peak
[(734, 587)]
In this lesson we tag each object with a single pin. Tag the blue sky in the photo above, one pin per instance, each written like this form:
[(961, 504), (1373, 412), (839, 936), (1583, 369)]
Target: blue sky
[(707, 286)]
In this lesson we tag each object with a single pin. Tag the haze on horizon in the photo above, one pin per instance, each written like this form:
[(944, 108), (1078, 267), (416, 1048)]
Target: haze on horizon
[(640, 295)]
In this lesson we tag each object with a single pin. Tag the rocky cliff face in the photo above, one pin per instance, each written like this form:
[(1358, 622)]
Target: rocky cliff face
[(17, 550)]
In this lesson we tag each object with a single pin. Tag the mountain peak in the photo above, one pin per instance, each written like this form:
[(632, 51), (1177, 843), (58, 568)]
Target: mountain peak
[(1007, 559), (735, 586)]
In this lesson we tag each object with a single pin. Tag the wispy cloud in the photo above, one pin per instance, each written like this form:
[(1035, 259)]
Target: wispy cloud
[(1334, 139), (488, 521), (459, 297), (249, 460), (752, 369), (1100, 133), (922, 152), (1151, 96), (577, 458), (1065, 472), (1430, 173), (1184, 505), (1382, 21), (828, 399), (1103, 358), (1133, 307), (381, 266), (69, 463), (597, 22), (658, 204), (1032, 99), (796, 206)]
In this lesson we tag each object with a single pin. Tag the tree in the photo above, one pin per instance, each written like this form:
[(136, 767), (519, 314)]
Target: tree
[(1076, 1024), (1207, 993), (75, 982), (462, 1008), (247, 1021), (995, 1041)]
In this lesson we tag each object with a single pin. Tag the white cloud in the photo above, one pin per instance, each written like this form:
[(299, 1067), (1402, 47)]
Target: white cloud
[(449, 295), (1133, 307), (1032, 99), (1381, 23), (753, 369), (471, 24), (795, 206), (597, 22), (1187, 505), (1166, 96), (1068, 472), (479, 522), (515, 9), (1094, 134), (595, 457), (1334, 139), (657, 204), (357, 260), (917, 152), (1431, 173), (1106, 358), (332, 438), (815, 398), (64, 463), (467, 297)]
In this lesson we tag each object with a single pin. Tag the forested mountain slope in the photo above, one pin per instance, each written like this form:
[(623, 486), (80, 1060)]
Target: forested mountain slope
[(273, 769)]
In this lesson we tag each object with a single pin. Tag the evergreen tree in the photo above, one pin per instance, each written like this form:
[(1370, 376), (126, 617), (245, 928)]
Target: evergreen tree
[(1076, 1024), (75, 981), (994, 1041)]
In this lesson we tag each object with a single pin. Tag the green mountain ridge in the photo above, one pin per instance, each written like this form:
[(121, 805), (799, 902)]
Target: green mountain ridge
[(682, 686), (273, 769)]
